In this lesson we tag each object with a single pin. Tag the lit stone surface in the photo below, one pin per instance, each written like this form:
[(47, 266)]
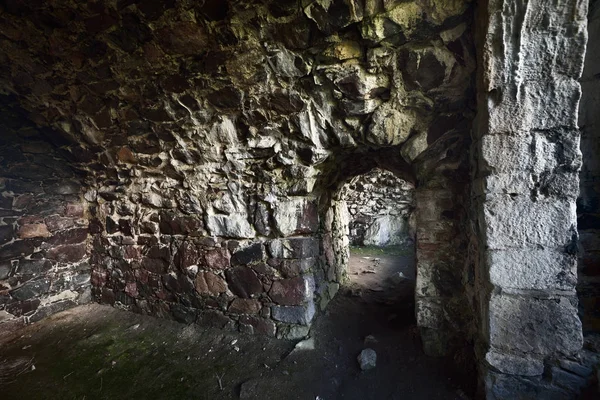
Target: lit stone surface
[(379, 206), (529, 158), (534, 326), (185, 160)]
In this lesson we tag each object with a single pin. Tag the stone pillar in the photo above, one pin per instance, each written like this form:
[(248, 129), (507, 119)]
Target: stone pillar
[(439, 269), (588, 206), (527, 158)]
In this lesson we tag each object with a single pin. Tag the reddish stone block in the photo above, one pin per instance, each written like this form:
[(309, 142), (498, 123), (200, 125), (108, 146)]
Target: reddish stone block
[(249, 255), (245, 306), (427, 247), (132, 252), (99, 23), (74, 210), (179, 225), (209, 283), (288, 292), (147, 241), (23, 201), (95, 226), (72, 236), (176, 84), (67, 253), (129, 241), (294, 268), (428, 251), (161, 252), (309, 218), (153, 281), (217, 258), (149, 227), (131, 289), (296, 217), (99, 278), (212, 302), (152, 53), (187, 255), (58, 223), (164, 295), (300, 247), (328, 247), (264, 269), (142, 275), (125, 155), (243, 282), (156, 265)]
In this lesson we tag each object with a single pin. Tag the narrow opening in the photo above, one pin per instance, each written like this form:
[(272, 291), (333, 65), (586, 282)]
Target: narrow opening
[(369, 240), (381, 232)]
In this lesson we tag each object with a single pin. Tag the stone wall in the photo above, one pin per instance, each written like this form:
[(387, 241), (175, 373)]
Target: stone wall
[(44, 246), (527, 159), (214, 136), (588, 205), (379, 206)]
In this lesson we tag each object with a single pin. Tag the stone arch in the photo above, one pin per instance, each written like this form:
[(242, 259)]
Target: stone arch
[(440, 191)]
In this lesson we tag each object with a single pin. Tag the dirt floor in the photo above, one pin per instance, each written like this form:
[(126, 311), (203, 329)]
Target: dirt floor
[(383, 275), (98, 352)]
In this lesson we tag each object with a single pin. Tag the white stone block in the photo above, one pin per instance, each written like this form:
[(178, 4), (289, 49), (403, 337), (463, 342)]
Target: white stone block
[(532, 269), (234, 226), (534, 326), (517, 221)]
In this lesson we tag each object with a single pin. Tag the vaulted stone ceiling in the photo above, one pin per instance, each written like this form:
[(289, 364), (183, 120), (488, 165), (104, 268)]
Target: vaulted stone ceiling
[(170, 85)]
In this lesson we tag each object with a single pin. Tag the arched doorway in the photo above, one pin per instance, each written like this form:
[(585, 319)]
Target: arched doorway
[(442, 282), (381, 233)]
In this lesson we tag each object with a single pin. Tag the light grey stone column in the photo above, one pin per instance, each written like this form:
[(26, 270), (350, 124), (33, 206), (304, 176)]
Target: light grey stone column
[(527, 158)]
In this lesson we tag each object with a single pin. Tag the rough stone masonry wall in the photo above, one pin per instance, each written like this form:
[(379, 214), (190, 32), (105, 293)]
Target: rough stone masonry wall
[(214, 133), (527, 165), (44, 249), (588, 205), (379, 206)]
